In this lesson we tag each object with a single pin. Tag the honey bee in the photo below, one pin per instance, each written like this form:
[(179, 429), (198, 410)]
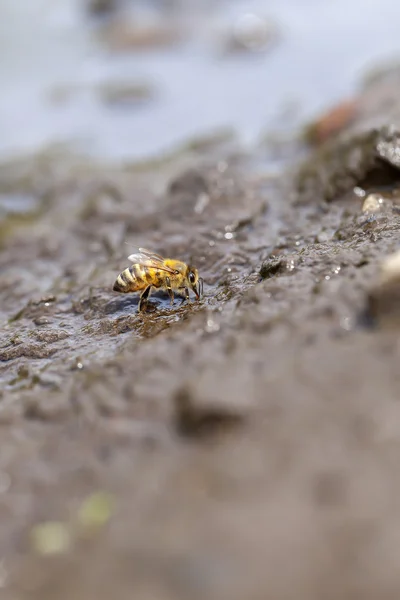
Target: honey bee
[(150, 270)]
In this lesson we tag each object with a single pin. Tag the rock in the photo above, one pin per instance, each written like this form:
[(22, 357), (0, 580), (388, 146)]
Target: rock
[(191, 183), (355, 159), (332, 122)]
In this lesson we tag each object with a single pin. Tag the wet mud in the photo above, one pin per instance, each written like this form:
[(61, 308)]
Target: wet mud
[(243, 446)]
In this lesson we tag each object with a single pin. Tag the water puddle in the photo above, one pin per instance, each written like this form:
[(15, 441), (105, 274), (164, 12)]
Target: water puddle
[(178, 72)]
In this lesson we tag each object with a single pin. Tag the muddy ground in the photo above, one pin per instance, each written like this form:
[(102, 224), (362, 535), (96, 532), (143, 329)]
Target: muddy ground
[(246, 446)]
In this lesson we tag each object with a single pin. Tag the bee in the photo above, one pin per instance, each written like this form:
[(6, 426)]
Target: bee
[(150, 270)]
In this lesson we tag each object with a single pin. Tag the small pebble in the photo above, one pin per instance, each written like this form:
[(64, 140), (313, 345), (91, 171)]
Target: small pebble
[(383, 303), (390, 270), (39, 321), (372, 204)]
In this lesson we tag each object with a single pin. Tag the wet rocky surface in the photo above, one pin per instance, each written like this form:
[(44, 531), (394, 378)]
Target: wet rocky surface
[(244, 446)]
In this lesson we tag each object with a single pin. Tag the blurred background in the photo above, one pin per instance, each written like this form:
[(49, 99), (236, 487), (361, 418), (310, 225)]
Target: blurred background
[(127, 79)]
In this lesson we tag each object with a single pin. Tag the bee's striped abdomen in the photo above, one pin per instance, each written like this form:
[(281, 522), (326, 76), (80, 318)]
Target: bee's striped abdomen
[(130, 280)]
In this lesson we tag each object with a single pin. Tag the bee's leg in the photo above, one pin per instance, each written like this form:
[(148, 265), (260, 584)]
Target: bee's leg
[(144, 298), (186, 297), (170, 292)]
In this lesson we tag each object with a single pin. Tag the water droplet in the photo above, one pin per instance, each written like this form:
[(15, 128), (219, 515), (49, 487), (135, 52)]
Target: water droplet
[(290, 265), (327, 277), (229, 235), (359, 191)]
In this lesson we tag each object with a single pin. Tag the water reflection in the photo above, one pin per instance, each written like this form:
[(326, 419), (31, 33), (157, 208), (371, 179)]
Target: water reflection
[(173, 68)]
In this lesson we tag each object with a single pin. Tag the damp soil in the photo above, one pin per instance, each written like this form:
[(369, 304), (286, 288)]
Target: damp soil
[(244, 446)]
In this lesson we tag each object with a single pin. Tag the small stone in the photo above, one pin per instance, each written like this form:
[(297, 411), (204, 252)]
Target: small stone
[(373, 204), (390, 270), (383, 303), (39, 321), (323, 237)]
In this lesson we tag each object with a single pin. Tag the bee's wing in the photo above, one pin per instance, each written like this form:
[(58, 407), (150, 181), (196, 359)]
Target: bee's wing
[(144, 253), (151, 254), (150, 259)]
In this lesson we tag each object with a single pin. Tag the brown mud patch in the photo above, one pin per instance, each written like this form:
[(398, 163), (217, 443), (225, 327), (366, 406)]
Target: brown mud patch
[(248, 444)]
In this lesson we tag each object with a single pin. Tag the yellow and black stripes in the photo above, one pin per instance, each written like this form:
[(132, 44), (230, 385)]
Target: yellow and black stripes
[(127, 281), (137, 278)]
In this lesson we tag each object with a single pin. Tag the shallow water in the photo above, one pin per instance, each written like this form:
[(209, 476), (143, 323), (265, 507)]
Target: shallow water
[(52, 64)]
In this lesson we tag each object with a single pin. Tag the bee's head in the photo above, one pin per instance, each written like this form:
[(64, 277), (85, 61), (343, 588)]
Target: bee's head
[(195, 282)]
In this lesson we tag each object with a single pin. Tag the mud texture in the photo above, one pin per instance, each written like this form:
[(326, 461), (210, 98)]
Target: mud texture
[(246, 446)]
